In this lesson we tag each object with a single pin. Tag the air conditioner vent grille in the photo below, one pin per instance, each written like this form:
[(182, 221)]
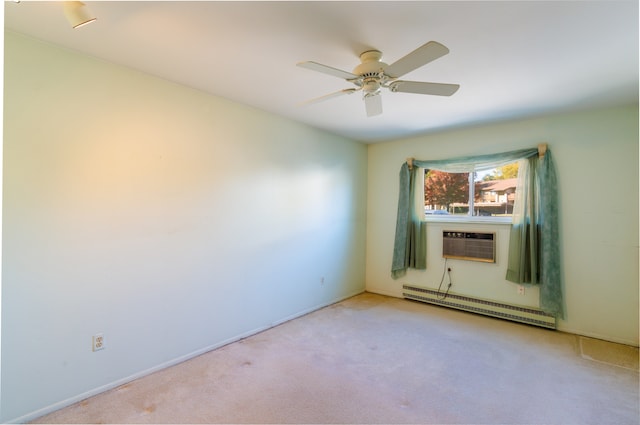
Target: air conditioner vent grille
[(474, 246)]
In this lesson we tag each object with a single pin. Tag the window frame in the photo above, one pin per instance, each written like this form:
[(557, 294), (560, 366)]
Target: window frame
[(471, 219)]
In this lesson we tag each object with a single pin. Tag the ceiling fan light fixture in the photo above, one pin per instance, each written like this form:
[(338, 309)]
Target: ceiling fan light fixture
[(371, 86), (77, 13)]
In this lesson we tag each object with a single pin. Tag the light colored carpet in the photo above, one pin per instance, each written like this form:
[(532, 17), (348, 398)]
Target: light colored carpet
[(375, 359)]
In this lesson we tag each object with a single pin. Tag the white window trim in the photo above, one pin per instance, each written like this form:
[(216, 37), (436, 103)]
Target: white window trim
[(468, 219)]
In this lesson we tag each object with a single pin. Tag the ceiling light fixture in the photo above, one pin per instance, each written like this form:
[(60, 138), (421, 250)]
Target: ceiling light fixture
[(77, 13)]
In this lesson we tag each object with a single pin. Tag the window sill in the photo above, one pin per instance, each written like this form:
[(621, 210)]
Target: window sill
[(470, 220)]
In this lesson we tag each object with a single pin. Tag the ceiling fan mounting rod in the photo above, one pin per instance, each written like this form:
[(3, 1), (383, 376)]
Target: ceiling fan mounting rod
[(371, 56)]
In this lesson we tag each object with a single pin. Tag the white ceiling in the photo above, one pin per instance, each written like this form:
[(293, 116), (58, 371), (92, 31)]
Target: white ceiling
[(512, 59)]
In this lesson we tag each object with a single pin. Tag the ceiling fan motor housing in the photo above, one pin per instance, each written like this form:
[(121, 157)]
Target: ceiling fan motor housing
[(371, 71)]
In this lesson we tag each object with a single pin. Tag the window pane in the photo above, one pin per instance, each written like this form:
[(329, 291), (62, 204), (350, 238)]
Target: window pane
[(495, 191), (443, 190)]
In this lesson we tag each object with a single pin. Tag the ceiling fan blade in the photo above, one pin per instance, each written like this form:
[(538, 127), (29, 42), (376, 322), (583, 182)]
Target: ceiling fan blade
[(419, 87), (314, 66), (329, 96), (373, 104), (421, 56)]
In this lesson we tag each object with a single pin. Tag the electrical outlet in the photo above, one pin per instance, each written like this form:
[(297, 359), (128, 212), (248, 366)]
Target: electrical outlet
[(98, 342), (520, 290)]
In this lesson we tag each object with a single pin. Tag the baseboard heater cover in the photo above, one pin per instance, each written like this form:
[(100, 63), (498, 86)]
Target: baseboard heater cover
[(528, 315)]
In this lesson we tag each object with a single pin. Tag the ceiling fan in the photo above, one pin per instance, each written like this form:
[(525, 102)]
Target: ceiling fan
[(371, 75)]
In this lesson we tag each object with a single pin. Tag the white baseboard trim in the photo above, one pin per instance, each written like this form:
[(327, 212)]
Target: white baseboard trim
[(596, 335), (393, 294), (103, 388)]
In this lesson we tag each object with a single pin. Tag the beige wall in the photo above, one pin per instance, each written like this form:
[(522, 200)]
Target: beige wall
[(170, 220), (596, 156)]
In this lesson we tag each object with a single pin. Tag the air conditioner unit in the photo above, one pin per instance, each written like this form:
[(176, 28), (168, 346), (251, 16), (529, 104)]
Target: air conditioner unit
[(474, 246)]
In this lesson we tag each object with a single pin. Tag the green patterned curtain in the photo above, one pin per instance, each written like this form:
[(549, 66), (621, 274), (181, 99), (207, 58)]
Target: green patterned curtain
[(534, 246), (411, 248), (534, 253)]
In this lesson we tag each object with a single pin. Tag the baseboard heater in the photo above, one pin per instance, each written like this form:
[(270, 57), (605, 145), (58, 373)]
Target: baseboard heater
[(528, 315)]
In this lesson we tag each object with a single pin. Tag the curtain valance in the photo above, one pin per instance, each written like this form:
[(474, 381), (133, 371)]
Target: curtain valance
[(468, 164)]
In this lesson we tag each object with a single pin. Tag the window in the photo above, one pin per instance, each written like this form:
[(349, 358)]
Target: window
[(488, 193)]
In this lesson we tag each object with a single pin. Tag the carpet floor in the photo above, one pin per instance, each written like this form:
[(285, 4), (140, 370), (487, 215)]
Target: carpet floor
[(374, 359)]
